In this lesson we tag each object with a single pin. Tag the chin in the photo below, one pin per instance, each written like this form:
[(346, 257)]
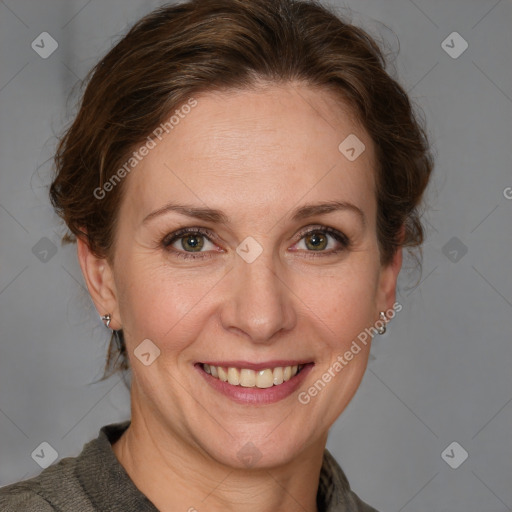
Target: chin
[(259, 450)]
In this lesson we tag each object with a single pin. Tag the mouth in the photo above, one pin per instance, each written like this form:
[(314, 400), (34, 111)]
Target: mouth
[(262, 378), (255, 384)]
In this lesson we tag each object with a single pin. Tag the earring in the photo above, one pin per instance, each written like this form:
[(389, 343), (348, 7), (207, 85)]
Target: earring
[(381, 329), (106, 319)]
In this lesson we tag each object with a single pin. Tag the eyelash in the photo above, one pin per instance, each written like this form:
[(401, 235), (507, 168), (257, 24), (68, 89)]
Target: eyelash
[(176, 235)]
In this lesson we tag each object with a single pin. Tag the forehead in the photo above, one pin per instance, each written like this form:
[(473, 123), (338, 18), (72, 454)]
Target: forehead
[(253, 151)]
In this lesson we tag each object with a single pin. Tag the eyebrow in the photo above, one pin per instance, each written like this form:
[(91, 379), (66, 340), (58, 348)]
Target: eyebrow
[(219, 217)]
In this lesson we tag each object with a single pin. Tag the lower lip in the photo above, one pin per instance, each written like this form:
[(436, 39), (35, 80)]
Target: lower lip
[(256, 396)]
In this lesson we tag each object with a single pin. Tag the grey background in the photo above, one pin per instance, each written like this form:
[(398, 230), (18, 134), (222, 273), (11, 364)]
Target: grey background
[(441, 373)]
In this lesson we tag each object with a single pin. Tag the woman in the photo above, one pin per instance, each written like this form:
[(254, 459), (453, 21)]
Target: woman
[(241, 178)]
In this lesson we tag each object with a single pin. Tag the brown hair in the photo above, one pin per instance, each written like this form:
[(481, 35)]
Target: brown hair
[(204, 45)]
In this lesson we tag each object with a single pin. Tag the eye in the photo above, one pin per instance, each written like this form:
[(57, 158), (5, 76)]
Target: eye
[(188, 243), (316, 240)]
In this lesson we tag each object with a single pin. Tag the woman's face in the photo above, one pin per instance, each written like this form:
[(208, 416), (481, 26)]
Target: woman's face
[(252, 289)]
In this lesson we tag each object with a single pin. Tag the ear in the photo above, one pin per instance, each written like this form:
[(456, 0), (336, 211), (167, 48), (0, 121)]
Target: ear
[(99, 279), (386, 295)]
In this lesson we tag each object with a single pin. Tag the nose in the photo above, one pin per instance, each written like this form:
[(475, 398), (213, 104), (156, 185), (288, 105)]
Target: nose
[(259, 304)]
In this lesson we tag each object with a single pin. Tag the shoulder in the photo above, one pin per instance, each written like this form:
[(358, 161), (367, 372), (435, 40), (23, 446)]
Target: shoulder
[(41, 493), (359, 505), (67, 485), (335, 494), (16, 497)]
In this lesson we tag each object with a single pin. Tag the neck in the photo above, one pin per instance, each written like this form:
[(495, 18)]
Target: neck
[(176, 475)]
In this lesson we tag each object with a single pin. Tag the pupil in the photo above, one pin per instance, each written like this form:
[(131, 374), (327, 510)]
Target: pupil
[(193, 242), (316, 240)]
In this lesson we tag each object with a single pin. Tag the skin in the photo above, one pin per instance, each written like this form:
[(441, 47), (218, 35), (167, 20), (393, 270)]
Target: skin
[(255, 155)]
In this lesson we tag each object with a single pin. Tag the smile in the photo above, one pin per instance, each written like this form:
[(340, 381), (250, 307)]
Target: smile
[(248, 378), (253, 384)]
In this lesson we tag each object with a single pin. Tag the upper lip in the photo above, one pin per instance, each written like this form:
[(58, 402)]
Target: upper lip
[(257, 366)]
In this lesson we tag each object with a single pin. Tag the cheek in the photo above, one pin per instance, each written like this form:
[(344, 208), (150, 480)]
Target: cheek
[(344, 301), (160, 303)]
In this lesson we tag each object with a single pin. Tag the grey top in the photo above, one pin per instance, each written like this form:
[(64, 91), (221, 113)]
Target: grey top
[(96, 481)]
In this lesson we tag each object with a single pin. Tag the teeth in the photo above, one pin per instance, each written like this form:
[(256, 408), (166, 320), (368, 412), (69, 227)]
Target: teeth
[(250, 378), (278, 376), (247, 378), (264, 379), (233, 376), (223, 374)]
